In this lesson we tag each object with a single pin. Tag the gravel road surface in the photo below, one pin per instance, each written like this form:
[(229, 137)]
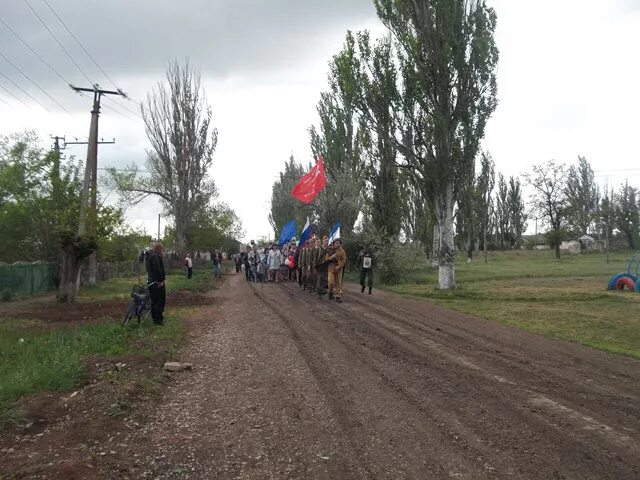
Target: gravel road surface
[(287, 385)]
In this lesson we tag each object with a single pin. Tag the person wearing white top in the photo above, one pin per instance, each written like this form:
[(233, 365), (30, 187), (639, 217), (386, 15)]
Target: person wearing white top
[(274, 260), (188, 263)]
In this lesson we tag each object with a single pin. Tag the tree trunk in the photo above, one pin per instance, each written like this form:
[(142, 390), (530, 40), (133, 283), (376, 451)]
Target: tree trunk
[(446, 257), (484, 245), (470, 245), (557, 250), (435, 247), (632, 245), (74, 250)]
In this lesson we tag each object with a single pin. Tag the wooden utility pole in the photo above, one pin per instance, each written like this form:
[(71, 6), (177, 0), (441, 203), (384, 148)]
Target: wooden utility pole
[(56, 144), (87, 222)]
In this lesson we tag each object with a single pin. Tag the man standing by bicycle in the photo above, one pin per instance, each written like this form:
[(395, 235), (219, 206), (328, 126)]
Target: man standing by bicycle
[(157, 291)]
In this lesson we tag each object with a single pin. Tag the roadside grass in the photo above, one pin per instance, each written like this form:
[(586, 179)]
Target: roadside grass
[(566, 299), (120, 288), (35, 360)]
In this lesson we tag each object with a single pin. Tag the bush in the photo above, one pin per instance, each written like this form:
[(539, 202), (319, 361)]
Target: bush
[(393, 260), (6, 295)]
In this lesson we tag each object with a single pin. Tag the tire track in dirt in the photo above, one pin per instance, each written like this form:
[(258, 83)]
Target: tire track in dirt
[(364, 401), (501, 362), (518, 407)]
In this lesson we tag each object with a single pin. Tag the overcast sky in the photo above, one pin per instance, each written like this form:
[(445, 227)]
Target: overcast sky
[(568, 81)]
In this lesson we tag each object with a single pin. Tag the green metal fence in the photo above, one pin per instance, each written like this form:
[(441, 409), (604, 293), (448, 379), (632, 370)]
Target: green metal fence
[(28, 278)]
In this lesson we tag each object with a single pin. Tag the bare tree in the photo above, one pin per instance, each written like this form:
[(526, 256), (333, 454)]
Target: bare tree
[(550, 199), (177, 120)]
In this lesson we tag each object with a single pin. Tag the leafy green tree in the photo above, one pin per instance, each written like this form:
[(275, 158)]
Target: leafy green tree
[(605, 218), (502, 213), (365, 77), (283, 206), (517, 213), (39, 198), (484, 199), (339, 140), (214, 226), (627, 216), (448, 59), (416, 218), (583, 195)]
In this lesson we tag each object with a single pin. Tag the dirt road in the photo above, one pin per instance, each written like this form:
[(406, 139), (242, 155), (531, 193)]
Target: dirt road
[(288, 385)]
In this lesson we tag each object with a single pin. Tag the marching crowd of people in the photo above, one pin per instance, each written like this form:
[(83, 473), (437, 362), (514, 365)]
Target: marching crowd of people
[(316, 265)]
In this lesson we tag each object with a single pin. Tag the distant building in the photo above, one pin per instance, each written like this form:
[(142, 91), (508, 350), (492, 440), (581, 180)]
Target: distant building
[(591, 241), (572, 246)]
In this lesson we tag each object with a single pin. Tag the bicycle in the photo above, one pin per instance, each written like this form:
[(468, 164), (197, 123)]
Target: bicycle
[(139, 305)]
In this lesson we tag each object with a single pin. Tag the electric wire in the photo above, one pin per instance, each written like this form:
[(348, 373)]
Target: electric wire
[(44, 24), (115, 111), (112, 104), (133, 112), (13, 95), (91, 57), (24, 91), (79, 43), (34, 52), (33, 82)]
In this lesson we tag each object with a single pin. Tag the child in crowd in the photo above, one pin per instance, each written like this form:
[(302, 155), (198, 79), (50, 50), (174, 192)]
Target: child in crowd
[(261, 271)]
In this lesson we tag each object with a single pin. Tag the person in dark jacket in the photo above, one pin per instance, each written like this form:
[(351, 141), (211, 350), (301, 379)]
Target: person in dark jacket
[(365, 263), (156, 279)]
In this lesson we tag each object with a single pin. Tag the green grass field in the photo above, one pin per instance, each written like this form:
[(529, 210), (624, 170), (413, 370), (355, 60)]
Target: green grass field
[(120, 288), (565, 299), (34, 360)]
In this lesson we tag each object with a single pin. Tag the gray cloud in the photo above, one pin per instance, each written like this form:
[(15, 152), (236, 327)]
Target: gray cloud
[(135, 39)]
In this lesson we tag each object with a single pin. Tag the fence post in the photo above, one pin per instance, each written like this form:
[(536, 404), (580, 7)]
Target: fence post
[(31, 267)]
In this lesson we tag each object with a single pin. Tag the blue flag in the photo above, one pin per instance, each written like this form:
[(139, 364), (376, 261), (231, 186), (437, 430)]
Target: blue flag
[(288, 232), (306, 232)]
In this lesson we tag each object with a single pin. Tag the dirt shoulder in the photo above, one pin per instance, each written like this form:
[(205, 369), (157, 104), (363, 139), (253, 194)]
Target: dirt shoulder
[(286, 385)]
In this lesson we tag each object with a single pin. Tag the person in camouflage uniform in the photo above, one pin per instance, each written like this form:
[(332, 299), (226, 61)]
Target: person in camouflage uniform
[(336, 270), (305, 259), (315, 259), (322, 266)]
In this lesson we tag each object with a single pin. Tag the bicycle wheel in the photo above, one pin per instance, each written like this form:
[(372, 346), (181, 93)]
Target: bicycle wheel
[(145, 313), (131, 309)]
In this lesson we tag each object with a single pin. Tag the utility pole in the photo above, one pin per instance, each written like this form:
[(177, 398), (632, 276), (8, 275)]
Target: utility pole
[(90, 187), (56, 144), (158, 227)]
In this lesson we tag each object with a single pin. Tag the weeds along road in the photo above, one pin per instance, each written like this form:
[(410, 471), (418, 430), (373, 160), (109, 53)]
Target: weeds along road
[(289, 385)]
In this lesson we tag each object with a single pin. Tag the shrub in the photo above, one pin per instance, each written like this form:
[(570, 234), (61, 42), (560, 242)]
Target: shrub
[(393, 260), (6, 295)]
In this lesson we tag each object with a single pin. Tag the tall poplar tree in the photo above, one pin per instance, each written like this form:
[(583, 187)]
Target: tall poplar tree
[(448, 59), (583, 195)]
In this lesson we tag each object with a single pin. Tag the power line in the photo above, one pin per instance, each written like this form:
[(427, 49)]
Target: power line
[(34, 52), (79, 43), (114, 104), (13, 95), (58, 42), (33, 82), (133, 112), (24, 91)]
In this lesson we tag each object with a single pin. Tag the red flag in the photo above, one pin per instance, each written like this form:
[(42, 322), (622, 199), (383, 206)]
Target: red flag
[(311, 183)]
